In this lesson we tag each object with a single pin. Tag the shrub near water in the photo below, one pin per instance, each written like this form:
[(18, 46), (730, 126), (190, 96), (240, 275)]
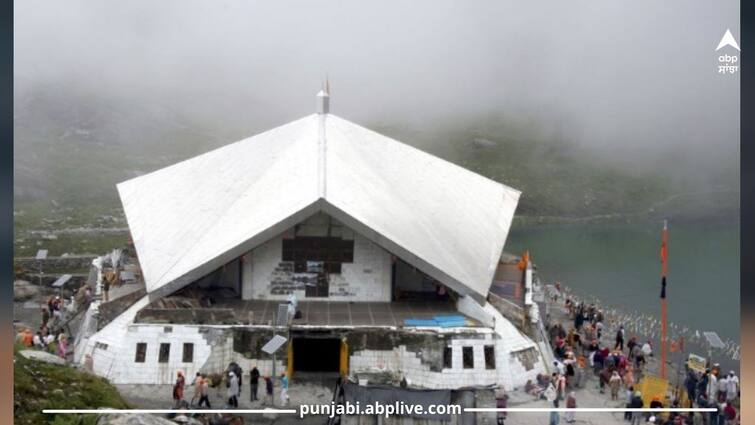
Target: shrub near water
[(38, 385)]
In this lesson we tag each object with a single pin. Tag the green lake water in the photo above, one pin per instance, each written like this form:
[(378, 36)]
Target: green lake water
[(619, 264)]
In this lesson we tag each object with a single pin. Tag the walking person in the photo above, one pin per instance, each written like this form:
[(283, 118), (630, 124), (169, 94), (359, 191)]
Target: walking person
[(712, 388), (636, 403), (554, 418), (204, 398), (730, 413), (87, 296), (647, 349), (629, 396), (178, 390), (501, 403), (552, 396), (561, 386), (732, 387), (50, 343), (197, 388), (62, 345), (56, 307), (284, 389), (630, 346), (233, 390), (38, 341), (45, 316), (619, 339), (571, 403), (105, 287), (614, 383), (550, 393), (269, 390), (254, 378)]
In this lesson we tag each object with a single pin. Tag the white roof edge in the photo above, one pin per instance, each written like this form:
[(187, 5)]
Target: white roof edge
[(211, 151), (420, 151), (168, 288)]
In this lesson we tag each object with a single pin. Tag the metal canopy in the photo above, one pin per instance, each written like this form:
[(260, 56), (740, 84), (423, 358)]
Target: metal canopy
[(127, 275), (62, 280), (713, 340), (194, 216), (274, 344)]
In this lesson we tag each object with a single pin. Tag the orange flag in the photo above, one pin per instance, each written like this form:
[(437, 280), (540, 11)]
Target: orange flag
[(523, 262), (664, 248)]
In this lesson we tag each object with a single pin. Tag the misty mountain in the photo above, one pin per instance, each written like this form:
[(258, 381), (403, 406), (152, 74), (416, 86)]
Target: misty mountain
[(73, 146)]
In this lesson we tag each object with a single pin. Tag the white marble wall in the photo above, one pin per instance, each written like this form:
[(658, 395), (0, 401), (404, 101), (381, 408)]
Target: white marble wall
[(368, 278), (509, 372)]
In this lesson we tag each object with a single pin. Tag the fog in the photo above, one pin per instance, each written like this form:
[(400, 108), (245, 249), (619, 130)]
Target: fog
[(635, 82)]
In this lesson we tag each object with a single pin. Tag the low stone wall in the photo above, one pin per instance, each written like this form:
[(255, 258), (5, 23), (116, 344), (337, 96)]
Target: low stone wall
[(76, 281), (112, 309), (51, 264), (198, 316), (509, 310)]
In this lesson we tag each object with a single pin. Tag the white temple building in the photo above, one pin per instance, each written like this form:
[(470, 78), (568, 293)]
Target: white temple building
[(387, 253)]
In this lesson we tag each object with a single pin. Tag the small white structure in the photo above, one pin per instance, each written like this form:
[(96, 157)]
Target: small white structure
[(389, 251)]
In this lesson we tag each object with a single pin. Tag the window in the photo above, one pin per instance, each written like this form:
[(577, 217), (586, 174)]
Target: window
[(330, 251), (141, 352), (164, 353), (447, 358), (467, 357), (489, 357), (188, 355)]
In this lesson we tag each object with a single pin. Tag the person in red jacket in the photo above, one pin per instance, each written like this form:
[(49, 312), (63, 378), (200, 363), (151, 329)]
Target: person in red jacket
[(730, 413)]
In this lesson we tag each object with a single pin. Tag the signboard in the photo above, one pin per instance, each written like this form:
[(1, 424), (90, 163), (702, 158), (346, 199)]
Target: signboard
[(274, 344), (696, 362), (652, 386), (62, 280), (315, 266), (41, 254)]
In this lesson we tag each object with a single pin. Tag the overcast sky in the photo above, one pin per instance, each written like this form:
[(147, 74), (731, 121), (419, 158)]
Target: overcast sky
[(639, 76)]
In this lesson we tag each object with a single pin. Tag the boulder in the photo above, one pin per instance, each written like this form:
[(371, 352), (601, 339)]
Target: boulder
[(42, 356), (23, 290), (132, 419), (188, 420)]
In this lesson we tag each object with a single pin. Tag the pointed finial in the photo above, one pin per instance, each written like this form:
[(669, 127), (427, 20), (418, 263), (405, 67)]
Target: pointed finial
[(327, 85), (323, 101)]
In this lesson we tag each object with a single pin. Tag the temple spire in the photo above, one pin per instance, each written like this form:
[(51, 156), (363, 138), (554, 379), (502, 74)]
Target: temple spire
[(323, 99)]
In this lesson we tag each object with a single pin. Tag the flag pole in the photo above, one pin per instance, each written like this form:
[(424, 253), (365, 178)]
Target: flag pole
[(664, 318)]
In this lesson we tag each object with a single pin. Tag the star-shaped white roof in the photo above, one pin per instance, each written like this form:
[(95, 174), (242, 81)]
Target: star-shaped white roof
[(190, 218)]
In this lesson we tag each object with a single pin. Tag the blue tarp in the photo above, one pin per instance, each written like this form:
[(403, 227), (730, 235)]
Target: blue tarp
[(438, 321), (450, 318), (420, 322)]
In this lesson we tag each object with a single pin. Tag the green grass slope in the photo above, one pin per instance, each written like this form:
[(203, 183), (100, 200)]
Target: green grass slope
[(38, 385)]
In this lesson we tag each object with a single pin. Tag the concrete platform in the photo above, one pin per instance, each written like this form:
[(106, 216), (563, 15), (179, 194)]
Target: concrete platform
[(335, 313)]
